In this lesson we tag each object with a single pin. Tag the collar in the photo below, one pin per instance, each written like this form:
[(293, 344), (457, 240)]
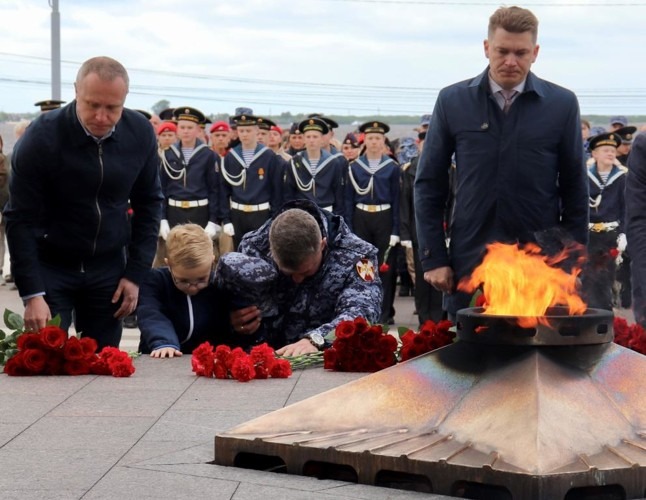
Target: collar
[(495, 87), (532, 82)]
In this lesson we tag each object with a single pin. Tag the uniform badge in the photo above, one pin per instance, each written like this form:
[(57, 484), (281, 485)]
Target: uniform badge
[(261, 173), (366, 270)]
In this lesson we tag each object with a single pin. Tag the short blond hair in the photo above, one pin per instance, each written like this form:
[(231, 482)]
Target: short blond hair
[(514, 20), (189, 246)]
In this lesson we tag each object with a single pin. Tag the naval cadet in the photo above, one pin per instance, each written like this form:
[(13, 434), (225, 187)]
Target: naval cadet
[(607, 183), (372, 204), (250, 179), (188, 177), (350, 147), (315, 174), (296, 141)]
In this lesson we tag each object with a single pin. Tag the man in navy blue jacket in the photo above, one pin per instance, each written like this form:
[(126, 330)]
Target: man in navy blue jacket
[(636, 223), (73, 173), (519, 161)]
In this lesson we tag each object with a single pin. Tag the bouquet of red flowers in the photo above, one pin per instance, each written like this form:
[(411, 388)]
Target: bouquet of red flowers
[(224, 362), (359, 347), (431, 336), (630, 336), (50, 351)]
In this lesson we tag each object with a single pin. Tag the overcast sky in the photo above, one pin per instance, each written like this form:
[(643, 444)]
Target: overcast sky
[(365, 57)]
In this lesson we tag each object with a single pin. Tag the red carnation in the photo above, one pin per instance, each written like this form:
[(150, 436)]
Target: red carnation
[(222, 352), (281, 369), (384, 268), (220, 370), (613, 252), (203, 359), (100, 367), (122, 367), (53, 336), (242, 368), (73, 350), (262, 355), (235, 354)]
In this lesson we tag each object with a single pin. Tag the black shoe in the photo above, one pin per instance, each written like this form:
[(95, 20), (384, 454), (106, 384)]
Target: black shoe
[(130, 321), (8, 278), (404, 291)]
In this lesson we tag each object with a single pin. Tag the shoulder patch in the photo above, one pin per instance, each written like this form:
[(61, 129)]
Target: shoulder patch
[(365, 270)]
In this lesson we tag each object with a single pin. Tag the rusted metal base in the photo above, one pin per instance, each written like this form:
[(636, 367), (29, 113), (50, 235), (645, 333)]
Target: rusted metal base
[(473, 420)]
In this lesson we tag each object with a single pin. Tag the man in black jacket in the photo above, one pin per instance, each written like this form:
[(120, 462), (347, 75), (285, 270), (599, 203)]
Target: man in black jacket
[(73, 173)]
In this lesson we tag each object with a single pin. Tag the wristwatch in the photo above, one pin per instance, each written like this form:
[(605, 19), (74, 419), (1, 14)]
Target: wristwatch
[(316, 339)]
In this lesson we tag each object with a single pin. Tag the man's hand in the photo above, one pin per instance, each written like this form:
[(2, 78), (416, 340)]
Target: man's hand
[(246, 320), (441, 279), (303, 346), (37, 313), (130, 293), (166, 352)]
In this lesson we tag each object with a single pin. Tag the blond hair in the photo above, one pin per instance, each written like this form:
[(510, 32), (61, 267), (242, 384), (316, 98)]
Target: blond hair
[(189, 246)]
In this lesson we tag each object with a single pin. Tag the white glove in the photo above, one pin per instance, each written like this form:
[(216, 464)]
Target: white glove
[(164, 229), (621, 242), (212, 229), (228, 229), (394, 239), (407, 243)]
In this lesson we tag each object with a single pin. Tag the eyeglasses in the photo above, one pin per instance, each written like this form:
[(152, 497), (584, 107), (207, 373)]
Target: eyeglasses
[(199, 283)]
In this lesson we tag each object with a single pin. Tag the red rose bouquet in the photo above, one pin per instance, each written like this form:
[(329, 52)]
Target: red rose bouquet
[(431, 336), (50, 351), (360, 347), (630, 336), (224, 362)]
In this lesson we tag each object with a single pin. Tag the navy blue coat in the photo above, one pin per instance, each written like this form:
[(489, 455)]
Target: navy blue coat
[(516, 174), (636, 222), (70, 194), (168, 317)]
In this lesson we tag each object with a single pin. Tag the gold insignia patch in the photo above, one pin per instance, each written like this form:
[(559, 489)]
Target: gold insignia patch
[(366, 270)]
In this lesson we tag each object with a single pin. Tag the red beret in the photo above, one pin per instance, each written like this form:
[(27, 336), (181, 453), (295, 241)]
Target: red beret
[(276, 128), (166, 127), (220, 127)]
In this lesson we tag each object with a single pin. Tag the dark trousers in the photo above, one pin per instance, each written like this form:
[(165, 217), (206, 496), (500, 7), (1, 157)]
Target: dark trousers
[(428, 300), (245, 222), (87, 290), (376, 228), (598, 274), (194, 215)]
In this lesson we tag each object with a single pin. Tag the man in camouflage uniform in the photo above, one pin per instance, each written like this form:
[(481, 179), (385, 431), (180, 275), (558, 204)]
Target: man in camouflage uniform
[(303, 272)]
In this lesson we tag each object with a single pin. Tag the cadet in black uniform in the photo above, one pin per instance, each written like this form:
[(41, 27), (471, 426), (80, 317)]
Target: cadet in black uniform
[(315, 174), (372, 204), (250, 182), (607, 212), (188, 177)]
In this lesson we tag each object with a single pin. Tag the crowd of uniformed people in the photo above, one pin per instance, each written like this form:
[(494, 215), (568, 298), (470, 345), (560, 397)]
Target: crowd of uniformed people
[(231, 177)]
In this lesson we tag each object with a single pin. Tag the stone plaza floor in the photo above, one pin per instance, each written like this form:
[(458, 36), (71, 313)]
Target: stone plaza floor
[(152, 435)]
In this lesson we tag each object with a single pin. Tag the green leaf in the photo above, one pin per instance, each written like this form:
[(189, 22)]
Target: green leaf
[(401, 330), (10, 353), (2, 335), (1, 358), (474, 298), (385, 328), (13, 320), (55, 321)]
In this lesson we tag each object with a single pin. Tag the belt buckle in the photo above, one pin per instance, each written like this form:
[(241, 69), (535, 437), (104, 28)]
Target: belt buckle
[(246, 208), (185, 204), (372, 208), (598, 227)]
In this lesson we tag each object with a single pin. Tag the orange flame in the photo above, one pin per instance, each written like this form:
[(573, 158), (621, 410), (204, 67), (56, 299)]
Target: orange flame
[(521, 282)]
